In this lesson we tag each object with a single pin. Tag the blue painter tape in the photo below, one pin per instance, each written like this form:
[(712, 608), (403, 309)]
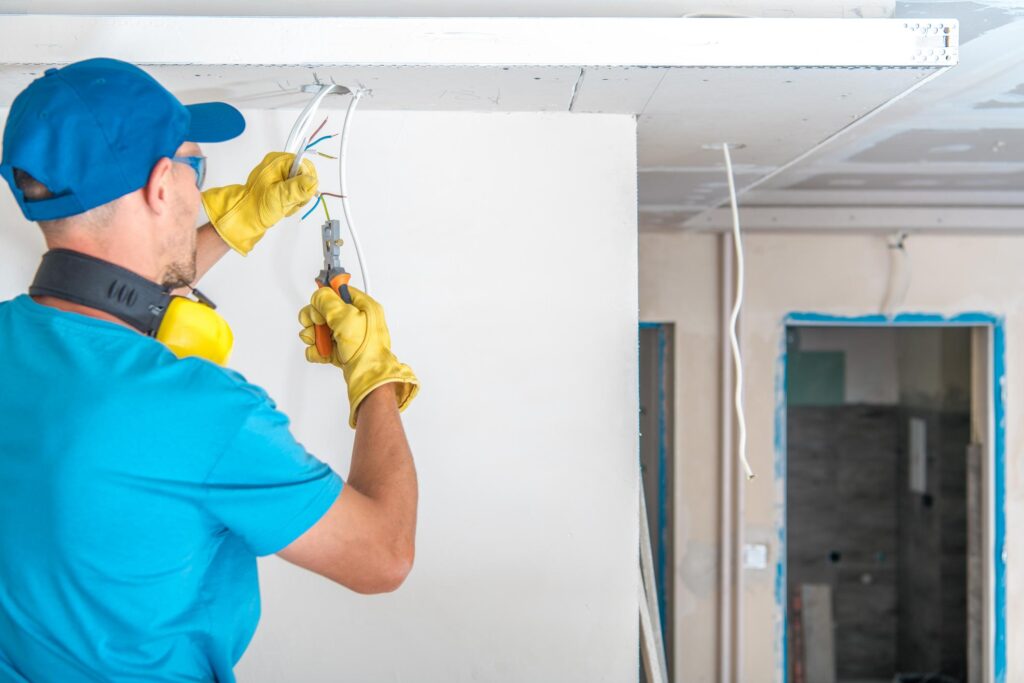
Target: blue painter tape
[(662, 479), (999, 403), (971, 319), (661, 505), (781, 591)]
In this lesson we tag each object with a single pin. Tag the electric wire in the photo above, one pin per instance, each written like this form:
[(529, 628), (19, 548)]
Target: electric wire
[(343, 182), (298, 144), (317, 142), (899, 272), (737, 357), (319, 198), (319, 128)]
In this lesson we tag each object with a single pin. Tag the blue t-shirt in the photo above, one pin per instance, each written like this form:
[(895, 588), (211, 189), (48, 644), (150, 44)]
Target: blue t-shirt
[(136, 491)]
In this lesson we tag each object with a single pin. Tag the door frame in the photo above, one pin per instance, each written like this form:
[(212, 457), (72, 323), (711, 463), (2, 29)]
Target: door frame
[(994, 488), (663, 504)]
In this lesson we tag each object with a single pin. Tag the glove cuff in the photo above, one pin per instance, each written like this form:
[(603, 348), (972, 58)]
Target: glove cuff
[(410, 387), (222, 225)]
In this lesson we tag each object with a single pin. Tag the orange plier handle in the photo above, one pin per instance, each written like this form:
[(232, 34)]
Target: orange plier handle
[(324, 339)]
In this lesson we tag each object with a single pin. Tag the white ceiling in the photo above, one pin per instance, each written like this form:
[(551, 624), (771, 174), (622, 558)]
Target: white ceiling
[(954, 145), (895, 159), (461, 8)]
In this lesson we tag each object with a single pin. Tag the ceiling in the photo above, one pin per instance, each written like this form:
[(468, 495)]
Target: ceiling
[(950, 156), (957, 141), (462, 8)]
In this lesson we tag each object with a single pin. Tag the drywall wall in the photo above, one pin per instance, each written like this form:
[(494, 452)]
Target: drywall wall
[(844, 275), (491, 239)]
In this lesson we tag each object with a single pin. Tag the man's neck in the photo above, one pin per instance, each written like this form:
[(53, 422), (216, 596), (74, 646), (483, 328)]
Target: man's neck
[(96, 251)]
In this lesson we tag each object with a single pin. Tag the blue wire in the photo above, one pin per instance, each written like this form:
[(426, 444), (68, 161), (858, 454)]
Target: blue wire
[(319, 140), (319, 198)]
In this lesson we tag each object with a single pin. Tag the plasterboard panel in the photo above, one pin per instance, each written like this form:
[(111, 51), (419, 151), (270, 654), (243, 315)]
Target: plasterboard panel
[(390, 88), (466, 8), (955, 142), (888, 197), (1009, 182), (783, 109), (622, 90), (256, 41), (772, 85), (692, 188), (864, 219), (776, 114)]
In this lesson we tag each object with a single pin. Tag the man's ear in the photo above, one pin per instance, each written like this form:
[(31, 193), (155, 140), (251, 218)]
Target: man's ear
[(156, 192)]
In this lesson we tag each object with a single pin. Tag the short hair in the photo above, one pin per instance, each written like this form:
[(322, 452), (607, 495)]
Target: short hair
[(35, 191)]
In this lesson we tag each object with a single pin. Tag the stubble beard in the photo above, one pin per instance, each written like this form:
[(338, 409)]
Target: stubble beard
[(181, 272)]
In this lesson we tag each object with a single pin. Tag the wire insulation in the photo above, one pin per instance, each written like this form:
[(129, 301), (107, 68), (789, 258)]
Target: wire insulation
[(343, 181), (317, 142), (299, 145), (737, 306), (899, 275), (319, 198)]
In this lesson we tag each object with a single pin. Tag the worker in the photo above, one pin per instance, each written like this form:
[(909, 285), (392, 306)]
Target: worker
[(138, 485)]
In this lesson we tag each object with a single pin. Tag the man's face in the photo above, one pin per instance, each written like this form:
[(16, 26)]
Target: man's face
[(180, 247)]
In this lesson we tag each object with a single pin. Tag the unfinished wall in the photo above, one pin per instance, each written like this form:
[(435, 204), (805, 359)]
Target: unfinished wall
[(490, 237), (843, 527), (844, 275), (895, 557)]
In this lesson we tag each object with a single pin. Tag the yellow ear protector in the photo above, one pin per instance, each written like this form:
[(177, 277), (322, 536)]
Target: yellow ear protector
[(187, 327)]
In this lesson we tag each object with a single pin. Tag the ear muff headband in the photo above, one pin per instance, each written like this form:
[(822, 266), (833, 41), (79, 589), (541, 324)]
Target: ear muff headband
[(187, 327)]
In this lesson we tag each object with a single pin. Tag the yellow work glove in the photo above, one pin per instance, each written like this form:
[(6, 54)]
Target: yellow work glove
[(362, 346), (242, 213)]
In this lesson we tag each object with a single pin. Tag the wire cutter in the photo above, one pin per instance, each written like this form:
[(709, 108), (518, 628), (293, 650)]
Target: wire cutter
[(334, 276)]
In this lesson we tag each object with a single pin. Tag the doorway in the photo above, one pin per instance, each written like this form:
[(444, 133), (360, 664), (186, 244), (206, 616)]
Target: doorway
[(892, 488)]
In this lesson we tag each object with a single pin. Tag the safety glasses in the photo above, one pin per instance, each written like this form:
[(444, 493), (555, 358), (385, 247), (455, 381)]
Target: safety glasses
[(198, 165)]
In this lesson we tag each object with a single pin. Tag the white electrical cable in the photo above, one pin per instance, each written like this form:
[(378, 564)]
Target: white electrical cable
[(899, 264), (737, 358), (343, 182), (296, 144), (297, 137)]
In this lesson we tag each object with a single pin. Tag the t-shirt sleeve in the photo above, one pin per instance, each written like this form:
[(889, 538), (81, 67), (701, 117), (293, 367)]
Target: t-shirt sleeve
[(265, 487)]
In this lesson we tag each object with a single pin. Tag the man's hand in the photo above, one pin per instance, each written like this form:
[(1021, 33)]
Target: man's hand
[(362, 346), (241, 214)]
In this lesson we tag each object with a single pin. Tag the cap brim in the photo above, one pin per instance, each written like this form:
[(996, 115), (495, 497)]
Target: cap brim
[(214, 122)]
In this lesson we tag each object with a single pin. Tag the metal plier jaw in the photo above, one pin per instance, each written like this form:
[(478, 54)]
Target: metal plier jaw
[(333, 274)]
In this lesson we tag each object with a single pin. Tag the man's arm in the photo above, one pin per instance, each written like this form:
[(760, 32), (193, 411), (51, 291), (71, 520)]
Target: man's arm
[(210, 248), (366, 540), (244, 213)]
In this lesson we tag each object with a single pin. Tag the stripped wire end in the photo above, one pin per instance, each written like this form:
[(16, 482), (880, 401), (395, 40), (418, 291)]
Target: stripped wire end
[(334, 194), (319, 140), (318, 128), (319, 198)]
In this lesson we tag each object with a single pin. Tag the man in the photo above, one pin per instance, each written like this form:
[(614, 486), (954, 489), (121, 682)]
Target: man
[(137, 488)]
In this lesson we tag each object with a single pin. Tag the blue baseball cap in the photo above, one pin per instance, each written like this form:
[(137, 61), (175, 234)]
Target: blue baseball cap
[(93, 130)]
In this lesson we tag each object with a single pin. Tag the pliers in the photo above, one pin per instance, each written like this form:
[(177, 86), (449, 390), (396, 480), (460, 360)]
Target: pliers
[(334, 276)]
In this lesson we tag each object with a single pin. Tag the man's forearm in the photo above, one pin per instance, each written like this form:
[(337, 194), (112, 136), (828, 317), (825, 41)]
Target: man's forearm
[(210, 248), (382, 465)]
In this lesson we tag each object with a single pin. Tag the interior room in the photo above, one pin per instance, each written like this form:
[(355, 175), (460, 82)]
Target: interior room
[(705, 311), (879, 465)]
